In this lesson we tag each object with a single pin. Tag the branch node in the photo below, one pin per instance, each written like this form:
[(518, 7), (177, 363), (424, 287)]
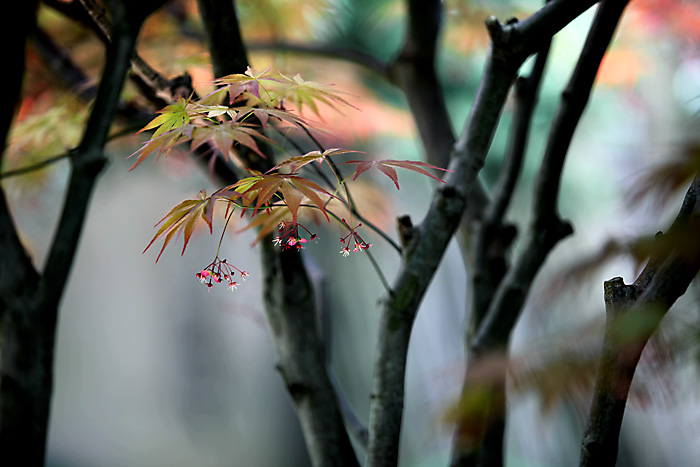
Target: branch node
[(495, 29), (405, 229)]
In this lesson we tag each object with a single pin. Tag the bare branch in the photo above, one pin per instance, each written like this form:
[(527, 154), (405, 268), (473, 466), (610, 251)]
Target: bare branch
[(422, 254), (29, 321), (666, 277), (494, 238), (546, 230)]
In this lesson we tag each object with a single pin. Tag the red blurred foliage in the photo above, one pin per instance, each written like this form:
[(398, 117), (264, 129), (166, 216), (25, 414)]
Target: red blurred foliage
[(679, 18)]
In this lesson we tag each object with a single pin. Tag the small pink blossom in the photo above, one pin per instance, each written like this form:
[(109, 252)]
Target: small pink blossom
[(219, 271)]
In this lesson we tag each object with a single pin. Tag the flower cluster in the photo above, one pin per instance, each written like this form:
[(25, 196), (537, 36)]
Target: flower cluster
[(289, 236), (352, 241), (220, 271)]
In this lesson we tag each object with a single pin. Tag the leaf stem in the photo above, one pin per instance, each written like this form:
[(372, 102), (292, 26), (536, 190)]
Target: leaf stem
[(223, 231)]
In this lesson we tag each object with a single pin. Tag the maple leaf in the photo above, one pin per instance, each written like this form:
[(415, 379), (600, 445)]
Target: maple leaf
[(264, 114), (222, 136), (171, 117), (267, 222), (297, 162), (263, 187), (183, 217), (387, 168), (164, 142), (251, 82), (307, 93)]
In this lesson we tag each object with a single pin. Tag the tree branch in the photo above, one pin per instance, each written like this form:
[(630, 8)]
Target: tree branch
[(667, 275), (510, 46), (546, 230), (29, 321), (494, 238), (289, 304)]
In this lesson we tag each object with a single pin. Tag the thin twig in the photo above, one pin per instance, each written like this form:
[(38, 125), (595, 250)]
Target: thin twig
[(34, 167)]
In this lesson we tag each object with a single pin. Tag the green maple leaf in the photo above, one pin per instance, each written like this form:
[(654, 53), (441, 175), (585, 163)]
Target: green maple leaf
[(171, 117), (308, 93)]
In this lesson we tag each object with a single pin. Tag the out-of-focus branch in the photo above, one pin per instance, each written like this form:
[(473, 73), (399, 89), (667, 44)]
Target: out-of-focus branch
[(666, 277), (149, 76), (24, 20), (494, 238), (423, 252), (546, 230), (414, 72)]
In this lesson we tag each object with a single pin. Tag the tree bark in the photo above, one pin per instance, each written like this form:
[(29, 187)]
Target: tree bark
[(30, 301), (670, 270)]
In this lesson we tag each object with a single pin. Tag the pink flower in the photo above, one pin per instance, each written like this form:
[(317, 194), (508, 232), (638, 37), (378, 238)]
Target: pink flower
[(219, 271)]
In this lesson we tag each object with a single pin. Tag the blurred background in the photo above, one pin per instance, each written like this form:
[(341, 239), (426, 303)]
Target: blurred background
[(152, 369)]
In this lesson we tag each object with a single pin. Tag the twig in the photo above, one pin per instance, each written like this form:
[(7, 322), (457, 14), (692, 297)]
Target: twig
[(33, 167)]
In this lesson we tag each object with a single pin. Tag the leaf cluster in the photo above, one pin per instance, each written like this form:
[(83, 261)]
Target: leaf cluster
[(256, 100)]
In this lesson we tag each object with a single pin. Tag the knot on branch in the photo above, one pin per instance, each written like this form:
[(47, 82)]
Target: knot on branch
[(406, 230), (618, 295), (181, 86), (88, 161), (501, 34)]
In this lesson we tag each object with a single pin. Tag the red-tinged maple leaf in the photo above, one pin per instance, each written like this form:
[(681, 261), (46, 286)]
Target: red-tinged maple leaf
[(297, 162), (183, 217), (222, 136), (251, 82), (385, 166), (263, 187), (267, 222), (307, 93), (264, 114), (163, 143)]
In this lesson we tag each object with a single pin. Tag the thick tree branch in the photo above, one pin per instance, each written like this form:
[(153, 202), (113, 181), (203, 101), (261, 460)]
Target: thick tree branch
[(29, 324), (510, 47), (228, 53), (414, 72), (546, 230), (667, 275), (494, 238), (289, 304), (291, 313), (424, 251), (16, 267)]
